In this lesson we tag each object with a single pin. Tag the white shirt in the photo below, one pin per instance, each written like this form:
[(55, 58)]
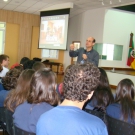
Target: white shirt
[(3, 72)]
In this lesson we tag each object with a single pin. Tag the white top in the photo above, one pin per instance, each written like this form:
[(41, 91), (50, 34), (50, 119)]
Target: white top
[(3, 72)]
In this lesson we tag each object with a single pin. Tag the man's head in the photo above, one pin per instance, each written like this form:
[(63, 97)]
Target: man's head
[(90, 42), (80, 80), (4, 60)]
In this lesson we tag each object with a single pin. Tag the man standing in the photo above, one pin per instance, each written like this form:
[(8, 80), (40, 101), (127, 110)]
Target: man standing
[(4, 61), (80, 81), (88, 54)]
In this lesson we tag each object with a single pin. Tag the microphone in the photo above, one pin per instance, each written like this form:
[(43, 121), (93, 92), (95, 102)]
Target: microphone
[(83, 61)]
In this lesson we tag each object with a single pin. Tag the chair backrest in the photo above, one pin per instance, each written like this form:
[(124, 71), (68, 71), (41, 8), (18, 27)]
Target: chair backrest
[(3, 114), (101, 115), (118, 127), (19, 131), (9, 122)]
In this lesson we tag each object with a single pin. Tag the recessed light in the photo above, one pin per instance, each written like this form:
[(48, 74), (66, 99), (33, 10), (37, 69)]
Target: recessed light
[(5, 0)]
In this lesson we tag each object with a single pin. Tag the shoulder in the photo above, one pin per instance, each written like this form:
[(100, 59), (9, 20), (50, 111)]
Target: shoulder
[(113, 109), (95, 52)]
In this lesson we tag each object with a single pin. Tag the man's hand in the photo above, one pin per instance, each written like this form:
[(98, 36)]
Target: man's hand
[(84, 56), (72, 47)]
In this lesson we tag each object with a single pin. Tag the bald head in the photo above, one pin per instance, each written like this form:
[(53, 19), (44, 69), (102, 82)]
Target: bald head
[(90, 42)]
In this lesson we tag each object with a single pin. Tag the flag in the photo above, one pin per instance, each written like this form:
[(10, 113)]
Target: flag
[(131, 54)]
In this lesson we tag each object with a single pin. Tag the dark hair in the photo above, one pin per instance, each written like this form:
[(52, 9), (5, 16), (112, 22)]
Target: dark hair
[(23, 60), (20, 94), (125, 95), (38, 65), (42, 87), (104, 82), (10, 80), (80, 80), (104, 97), (37, 59), (3, 57), (94, 40), (28, 64)]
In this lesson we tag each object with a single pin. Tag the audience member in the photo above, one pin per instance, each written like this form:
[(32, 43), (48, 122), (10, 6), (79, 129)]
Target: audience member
[(40, 99), (124, 106), (28, 64), (80, 81), (9, 82), (103, 84), (38, 65), (4, 61), (20, 94), (23, 60)]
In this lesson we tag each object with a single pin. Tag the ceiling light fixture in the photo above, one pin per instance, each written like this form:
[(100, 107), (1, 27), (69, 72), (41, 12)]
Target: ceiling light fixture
[(103, 3), (119, 0), (110, 2), (5, 0)]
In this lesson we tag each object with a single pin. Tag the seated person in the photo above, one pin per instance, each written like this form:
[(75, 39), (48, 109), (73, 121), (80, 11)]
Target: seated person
[(41, 98), (4, 61), (9, 82), (103, 98), (103, 84), (19, 95), (124, 106), (38, 65), (80, 81)]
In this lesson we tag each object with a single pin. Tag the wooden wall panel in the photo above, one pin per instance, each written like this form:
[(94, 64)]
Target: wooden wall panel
[(12, 40), (25, 22)]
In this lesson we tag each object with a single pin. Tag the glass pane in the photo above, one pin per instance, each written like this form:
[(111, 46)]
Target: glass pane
[(1, 41), (109, 51), (2, 25)]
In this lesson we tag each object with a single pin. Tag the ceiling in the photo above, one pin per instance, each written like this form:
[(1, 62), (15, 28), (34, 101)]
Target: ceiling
[(34, 6)]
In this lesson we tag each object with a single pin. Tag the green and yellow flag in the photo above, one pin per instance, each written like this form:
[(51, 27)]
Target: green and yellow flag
[(131, 54)]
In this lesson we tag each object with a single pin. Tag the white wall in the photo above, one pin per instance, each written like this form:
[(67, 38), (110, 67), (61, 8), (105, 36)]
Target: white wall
[(117, 28), (89, 23)]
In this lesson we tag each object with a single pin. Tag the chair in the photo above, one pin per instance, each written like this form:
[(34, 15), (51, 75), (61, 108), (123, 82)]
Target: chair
[(9, 122), (3, 120), (118, 127), (19, 131), (100, 115)]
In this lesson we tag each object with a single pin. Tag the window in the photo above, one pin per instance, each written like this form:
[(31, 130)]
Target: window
[(49, 54), (2, 36)]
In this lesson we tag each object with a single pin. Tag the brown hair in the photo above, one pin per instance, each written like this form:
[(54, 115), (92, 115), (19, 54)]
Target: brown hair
[(125, 95), (42, 88), (10, 80), (3, 57), (20, 94), (80, 80), (38, 65)]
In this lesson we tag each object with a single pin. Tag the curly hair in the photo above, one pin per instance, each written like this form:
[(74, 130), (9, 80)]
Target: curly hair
[(80, 80), (10, 80), (43, 87)]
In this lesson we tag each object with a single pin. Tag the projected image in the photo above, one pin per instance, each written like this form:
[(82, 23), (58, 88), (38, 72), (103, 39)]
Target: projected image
[(53, 31)]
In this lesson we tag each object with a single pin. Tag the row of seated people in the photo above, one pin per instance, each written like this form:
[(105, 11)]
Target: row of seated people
[(35, 94)]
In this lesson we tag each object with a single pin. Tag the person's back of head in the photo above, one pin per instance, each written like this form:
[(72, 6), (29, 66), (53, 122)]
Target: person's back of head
[(79, 81), (103, 82), (37, 59), (20, 94), (42, 87), (38, 65), (23, 60), (28, 64), (125, 96), (4, 60), (104, 97), (10, 80)]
